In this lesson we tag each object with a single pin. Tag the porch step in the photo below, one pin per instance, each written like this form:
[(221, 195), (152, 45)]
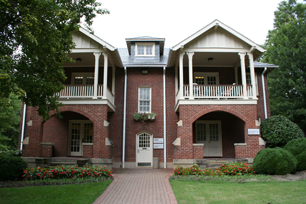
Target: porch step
[(214, 163), (58, 162)]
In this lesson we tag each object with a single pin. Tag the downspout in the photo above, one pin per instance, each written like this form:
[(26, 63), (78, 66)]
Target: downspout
[(23, 122), (264, 92), (124, 117), (165, 123)]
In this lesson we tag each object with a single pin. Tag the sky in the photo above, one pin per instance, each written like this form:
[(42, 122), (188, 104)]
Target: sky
[(175, 20)]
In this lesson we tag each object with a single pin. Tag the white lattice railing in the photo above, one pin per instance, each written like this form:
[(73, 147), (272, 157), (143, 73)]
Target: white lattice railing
[(79, 91), (217, 91)]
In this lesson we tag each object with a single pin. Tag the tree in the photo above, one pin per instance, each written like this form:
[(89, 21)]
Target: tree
[(9, 122), (35, 39), (286, 47)]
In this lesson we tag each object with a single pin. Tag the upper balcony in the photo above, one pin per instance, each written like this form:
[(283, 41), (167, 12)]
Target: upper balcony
[(91, 79)]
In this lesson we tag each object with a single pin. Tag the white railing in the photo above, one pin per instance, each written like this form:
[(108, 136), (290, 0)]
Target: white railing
[(79, 91), (217, 91)]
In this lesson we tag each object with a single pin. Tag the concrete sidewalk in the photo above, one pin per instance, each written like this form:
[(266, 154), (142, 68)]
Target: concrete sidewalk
[(146, 186)]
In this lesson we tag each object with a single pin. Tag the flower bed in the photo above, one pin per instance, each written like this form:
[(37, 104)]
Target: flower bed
[(233, 168), (66, 172)]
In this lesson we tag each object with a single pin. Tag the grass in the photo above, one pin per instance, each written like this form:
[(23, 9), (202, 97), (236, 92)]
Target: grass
[(217, 191), (72, 193)]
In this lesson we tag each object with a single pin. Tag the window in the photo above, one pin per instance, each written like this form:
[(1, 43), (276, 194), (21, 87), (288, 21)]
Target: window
[(207, 78), (82, 78), (144, 104), (145, 49)]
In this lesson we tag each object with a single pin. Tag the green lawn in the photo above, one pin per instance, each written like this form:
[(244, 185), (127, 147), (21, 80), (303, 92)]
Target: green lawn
[(72, 193), (188, 191)]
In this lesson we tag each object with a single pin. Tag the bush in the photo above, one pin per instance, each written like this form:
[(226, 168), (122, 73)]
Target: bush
[(298, 148), (278, 130), (11, 167), (274, 161), (236, 168), (69, 171), (194, 170)]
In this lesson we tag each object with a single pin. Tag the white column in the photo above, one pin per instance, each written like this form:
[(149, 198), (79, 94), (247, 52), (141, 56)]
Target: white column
[(190, 55), (252, 73), (97, 56), (105, 75), (181, 76), (176, 80), (113, 80), (243, 75)]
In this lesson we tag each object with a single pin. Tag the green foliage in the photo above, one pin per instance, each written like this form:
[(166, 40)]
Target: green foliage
[(63, 171), (278, 130), (11, 167), (235, 168), (9, 122), (274, 161), (35, 39), (11, 153), (286, 47), (193, 170), (298, 148)]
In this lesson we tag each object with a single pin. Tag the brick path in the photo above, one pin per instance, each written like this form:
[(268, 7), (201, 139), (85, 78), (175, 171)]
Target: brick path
[(146, 186)]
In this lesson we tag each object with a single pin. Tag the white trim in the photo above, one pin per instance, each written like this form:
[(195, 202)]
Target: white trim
[(151, 147), (87, 102), (85, 50), (144, 87), (222, 25), (240, 144), (211, 49), (145, 52)]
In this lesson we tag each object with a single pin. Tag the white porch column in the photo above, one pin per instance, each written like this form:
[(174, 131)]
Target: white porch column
[(252, 73), (113, 80), (190, 55), (181, 76), (176, 80), (243, 75), (105, 75), (97, 56)]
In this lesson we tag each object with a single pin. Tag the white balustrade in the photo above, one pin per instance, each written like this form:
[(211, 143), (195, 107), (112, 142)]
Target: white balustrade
[(79, 91), (217, 91)]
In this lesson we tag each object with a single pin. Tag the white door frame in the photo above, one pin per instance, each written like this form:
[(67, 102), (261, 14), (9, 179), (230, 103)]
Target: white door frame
[(144, 154), (80, 153), (207, 142)]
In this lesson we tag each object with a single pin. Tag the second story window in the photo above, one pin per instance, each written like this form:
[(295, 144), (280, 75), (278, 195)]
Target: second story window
[(145, 49), (144, 103), (83, 78)]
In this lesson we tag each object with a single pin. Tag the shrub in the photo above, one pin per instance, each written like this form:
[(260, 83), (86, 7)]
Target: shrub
[(11, 153), (274, 161), (298, 148), (236, 168), (11, 167), (194, 170), (278, 130), (66, 172)]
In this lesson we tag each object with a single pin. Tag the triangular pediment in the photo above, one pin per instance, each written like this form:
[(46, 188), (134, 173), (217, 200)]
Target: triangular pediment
[(217, 38), (83, 41)]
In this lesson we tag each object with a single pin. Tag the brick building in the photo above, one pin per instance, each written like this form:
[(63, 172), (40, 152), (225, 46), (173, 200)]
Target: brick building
[(206, 95)]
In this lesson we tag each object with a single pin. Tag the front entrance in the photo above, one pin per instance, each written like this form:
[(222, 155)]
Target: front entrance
[(80, 131), (144, 149), (209, 133)]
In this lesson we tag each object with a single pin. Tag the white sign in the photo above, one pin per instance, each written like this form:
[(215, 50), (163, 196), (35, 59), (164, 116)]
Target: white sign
[(158, 146), (253, 131), (158, 140)]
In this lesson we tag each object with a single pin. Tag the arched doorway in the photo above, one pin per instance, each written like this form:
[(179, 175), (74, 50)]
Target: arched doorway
[(218, 131)]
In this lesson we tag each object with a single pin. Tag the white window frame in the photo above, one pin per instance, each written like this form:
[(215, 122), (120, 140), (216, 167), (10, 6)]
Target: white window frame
[(150, 109), (81, 74), (145, 44), (205, 75)]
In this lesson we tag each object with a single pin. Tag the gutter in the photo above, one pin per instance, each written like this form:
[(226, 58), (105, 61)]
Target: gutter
[(124, 116), (165, 122), (264, 92), (23, 123)]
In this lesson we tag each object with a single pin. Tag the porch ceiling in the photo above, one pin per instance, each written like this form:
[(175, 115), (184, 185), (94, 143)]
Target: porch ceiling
[(88, 60), (200, 59)]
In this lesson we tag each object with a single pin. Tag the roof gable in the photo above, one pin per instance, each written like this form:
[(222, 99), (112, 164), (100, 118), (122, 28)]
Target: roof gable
[(225, 36)]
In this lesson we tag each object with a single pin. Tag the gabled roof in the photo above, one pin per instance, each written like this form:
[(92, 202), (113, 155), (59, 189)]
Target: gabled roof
[(225, 27), (146, 39)]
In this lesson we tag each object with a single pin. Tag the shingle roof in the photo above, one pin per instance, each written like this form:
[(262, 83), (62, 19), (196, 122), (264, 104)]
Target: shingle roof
[(261, 65)]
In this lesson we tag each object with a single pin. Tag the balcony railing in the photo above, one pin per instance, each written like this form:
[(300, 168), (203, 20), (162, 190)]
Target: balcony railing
[(80, 91), (217, 91)]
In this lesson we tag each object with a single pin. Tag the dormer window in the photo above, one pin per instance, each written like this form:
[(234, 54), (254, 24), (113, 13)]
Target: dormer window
[(145, 49)]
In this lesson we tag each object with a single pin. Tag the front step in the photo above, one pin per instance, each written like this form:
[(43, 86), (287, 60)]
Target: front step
[(59, 162), (214, 163)]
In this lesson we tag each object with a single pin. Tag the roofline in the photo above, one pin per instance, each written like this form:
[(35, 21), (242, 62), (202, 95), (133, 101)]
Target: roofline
[(145, 39), (222, 25), (97, 39)]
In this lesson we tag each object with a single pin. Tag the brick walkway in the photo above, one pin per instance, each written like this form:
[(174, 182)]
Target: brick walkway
[(147, 186)]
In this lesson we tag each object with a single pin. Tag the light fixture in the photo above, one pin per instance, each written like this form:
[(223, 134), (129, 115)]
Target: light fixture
[(210, 59), (144, 71), (78, 60)]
